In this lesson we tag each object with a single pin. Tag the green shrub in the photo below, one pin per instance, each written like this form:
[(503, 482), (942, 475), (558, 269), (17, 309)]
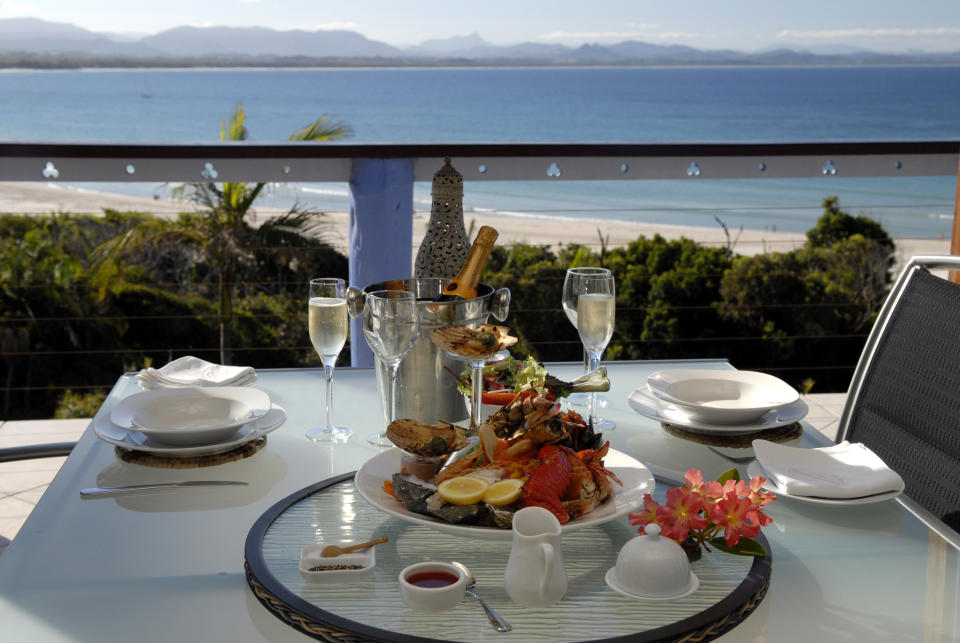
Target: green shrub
[(88, 296), (86, 314), (78, 405)]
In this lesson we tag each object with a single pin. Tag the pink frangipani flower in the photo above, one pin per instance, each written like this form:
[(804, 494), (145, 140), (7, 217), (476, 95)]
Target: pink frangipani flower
[(711, 489), (682, 513), (645, 516), (731, 513), (696, 512)]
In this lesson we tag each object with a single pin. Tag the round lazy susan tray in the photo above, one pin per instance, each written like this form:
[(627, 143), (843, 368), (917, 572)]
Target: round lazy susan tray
[(731, 586)]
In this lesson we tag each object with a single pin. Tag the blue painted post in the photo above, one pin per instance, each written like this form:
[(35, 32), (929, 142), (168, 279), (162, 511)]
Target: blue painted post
[(381, 232)]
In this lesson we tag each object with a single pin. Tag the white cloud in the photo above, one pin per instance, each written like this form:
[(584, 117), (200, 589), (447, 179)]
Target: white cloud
[(10, 9), (335, 26), (871, 33), (249, 1), (680, 35), (614, 36)]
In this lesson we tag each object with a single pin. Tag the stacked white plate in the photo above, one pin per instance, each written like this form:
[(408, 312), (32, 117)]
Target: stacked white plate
[(190, 421), (712, 401)]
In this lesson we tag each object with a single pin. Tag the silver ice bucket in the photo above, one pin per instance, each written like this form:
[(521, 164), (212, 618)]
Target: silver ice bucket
[(426, 389)]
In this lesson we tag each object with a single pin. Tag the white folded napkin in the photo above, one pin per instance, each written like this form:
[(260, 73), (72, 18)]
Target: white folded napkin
[(845, 470), (193, 371)]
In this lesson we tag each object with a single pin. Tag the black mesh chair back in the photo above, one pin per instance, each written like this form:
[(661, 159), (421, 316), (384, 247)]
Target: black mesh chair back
[(904, 399)]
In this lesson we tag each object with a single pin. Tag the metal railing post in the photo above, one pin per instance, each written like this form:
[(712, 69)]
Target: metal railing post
[(955, 238), (381, 232)]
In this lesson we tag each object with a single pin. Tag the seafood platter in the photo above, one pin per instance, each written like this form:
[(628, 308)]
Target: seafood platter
[(530, 452)]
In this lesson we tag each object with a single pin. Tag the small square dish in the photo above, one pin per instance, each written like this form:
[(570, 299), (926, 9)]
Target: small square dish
[(353, 566)]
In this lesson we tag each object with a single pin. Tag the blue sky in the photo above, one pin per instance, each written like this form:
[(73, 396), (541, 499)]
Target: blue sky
[(891, 25)]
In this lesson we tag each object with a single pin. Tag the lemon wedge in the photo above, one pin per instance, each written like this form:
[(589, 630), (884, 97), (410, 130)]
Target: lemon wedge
[(462, 490), (503, 493)]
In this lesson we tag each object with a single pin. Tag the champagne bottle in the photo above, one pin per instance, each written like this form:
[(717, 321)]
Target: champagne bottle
[(464, 285)]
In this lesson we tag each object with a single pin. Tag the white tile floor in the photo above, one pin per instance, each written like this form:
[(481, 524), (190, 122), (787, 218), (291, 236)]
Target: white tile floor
[(22, 483)]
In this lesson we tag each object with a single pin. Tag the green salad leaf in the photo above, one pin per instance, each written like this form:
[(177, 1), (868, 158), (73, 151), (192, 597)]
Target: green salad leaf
[(512, 375)]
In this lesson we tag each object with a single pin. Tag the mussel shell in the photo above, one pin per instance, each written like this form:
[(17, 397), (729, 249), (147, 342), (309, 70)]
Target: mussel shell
[(502, 518), (411, 495), (459, 514), (424, 439)]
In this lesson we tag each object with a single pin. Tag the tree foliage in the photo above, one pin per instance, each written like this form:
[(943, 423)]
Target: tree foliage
[(835, 225), (802, 315), (84, 298), (72, 317), (222, 227)]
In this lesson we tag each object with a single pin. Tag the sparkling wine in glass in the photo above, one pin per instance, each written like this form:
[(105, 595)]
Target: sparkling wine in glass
[(571, 293), (327, 319), (391, 326), (596, 310)]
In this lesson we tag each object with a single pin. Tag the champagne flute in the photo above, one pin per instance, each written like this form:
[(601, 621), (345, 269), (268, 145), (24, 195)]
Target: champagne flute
[(328, 332), (596, 306), (391, 326), (571, 292)]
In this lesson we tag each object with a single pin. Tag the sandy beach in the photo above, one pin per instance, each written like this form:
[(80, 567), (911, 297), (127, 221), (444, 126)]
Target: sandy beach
[(42, 198)]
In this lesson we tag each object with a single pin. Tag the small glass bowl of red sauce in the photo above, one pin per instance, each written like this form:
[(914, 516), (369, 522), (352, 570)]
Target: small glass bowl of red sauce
[(431, 586)]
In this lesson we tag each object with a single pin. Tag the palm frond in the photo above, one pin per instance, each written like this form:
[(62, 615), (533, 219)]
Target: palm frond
[(296, 222), (244, 199), (322, 129), (207, 195), (105, 271), (223, 232), (235, 130)]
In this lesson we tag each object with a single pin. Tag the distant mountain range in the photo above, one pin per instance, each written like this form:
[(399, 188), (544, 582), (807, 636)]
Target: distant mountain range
[(30, 41)]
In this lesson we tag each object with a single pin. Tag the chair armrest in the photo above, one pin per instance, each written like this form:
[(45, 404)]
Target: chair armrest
[(33, 451)]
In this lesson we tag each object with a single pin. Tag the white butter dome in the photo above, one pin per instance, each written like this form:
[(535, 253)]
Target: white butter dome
[(652, 567)]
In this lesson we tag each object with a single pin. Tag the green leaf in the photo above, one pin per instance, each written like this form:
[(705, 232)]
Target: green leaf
[(693, 552), (730, 474), (745, 547)]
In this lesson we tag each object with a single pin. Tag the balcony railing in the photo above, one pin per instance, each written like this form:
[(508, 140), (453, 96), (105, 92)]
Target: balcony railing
[(381, 176)]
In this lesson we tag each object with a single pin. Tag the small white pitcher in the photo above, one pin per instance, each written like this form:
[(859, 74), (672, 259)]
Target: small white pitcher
[(535, 575)]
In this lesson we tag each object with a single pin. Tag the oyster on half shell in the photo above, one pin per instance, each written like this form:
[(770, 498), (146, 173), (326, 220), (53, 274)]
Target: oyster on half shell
[(483, 341), (424, 439)]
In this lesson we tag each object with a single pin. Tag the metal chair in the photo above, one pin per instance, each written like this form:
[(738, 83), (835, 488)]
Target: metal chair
[(33, 451), (904, 398)]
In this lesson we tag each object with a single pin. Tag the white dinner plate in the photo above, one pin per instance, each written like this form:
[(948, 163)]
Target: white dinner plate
[(132, 439), (191, 416), (637, 481), (645, 403), (755, 469), (721, 397)]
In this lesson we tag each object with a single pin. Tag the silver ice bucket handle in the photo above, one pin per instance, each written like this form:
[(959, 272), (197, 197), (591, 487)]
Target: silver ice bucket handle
[(355, 300), (500, 304)]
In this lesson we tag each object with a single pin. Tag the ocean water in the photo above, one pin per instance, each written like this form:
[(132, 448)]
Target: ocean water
[(537, 104)]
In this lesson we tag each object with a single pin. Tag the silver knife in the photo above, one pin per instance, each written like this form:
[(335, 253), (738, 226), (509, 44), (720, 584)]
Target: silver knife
[(113, 491)]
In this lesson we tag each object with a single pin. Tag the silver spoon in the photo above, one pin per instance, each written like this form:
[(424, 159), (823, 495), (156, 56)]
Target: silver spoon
[(498, 623)]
